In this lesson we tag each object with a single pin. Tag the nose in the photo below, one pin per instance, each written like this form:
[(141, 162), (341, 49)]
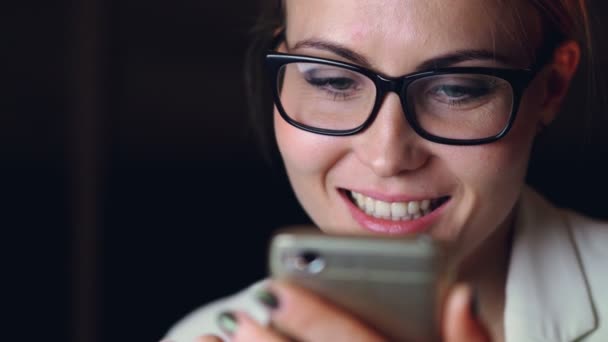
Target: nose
[(389, 146)]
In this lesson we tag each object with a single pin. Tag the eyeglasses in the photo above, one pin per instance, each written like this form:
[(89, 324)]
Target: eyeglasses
[(454, 106)]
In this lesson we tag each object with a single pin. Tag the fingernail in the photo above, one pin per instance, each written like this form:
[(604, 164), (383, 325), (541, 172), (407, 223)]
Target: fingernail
[(268, 299), (227, 322), (475, 303)]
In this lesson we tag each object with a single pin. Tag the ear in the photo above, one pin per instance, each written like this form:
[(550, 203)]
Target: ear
[(282, 47), (561, 69), (279, 34)]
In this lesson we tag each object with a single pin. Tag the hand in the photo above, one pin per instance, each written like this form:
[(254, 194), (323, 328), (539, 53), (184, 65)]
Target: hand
[(300, 315), (460, 322)]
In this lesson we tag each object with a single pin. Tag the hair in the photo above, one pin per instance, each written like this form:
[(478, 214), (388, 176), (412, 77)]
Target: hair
[(257, 91), (565, 20), (562, 20)]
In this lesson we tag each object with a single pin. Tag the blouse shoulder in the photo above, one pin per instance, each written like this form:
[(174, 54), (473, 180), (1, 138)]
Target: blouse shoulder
[(590, 236), (203, 320), (557, 275), (591, 239), (586, 229)]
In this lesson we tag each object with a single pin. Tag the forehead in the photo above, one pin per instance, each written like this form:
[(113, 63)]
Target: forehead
[(396, 33)]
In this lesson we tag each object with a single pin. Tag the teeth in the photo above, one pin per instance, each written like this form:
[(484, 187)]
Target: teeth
[(424, 205), (396, 211), (359, 199), (413, 207), (369, 206), (383, 210)]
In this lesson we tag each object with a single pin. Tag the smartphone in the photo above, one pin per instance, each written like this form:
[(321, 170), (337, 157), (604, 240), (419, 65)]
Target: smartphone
[(395, 285)]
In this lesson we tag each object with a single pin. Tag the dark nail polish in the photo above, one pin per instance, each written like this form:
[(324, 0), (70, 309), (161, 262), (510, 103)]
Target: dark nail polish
[(227, 322), (268, 299), (475, 303)]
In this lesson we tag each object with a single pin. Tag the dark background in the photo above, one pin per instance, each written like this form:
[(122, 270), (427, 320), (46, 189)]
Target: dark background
[(131, 189)]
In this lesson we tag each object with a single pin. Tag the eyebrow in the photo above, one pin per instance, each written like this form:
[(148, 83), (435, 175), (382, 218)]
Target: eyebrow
[(337, 49), (441, 61), (460, 56)]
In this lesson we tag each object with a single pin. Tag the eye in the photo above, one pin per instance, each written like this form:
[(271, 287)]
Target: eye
[(335, 83), (453, 91), (461, 90), (333, 80)]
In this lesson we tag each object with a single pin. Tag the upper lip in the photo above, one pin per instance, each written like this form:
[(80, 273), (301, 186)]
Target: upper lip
[(394, 197)]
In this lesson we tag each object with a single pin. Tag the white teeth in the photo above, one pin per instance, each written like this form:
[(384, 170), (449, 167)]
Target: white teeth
[(413, 207), (359, 199), (369, 205), (383, 209), (396, 211), (424, 205)]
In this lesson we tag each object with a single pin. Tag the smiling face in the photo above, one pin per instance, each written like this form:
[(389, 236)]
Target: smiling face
[(460, 193)]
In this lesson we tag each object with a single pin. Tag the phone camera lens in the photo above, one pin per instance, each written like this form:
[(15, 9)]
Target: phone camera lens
[(309, 262)]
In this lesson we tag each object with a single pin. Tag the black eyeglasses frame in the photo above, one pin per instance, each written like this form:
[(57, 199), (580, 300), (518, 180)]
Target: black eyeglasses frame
[(519, 79)]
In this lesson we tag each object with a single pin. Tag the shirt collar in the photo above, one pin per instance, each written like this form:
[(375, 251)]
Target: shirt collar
[(548, 297)]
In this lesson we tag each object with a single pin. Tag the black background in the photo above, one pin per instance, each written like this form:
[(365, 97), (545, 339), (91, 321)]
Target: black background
[(131, 187)]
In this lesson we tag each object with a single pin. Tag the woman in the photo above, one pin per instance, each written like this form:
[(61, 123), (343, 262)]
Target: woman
[(419, 116)]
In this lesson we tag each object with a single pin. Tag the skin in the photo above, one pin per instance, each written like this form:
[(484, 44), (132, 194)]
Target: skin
[(484, 182)]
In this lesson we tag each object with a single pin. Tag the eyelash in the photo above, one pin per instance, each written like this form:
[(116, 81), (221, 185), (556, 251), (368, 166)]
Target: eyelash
[(323, 83)]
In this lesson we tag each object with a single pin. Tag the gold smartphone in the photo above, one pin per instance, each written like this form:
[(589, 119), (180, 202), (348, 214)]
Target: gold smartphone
[(395, 285)]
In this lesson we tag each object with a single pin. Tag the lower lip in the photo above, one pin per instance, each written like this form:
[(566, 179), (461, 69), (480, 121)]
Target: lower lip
[(382, 226)]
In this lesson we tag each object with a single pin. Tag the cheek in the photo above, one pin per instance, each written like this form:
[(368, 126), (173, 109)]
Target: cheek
[(505, 163), (305, 154), (309, 159), (497, 169)]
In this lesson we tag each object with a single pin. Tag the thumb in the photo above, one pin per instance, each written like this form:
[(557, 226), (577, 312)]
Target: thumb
[(460, 322)]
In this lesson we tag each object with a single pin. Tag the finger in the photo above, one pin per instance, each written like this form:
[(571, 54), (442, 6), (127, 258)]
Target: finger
[(307, 317), (251, 331), (209, 338), (460, 322)]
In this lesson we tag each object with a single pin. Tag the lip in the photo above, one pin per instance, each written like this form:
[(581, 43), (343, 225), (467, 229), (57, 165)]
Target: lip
[(382, 226)]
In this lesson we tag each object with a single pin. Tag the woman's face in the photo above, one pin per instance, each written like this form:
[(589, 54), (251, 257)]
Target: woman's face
[(471, 189)]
